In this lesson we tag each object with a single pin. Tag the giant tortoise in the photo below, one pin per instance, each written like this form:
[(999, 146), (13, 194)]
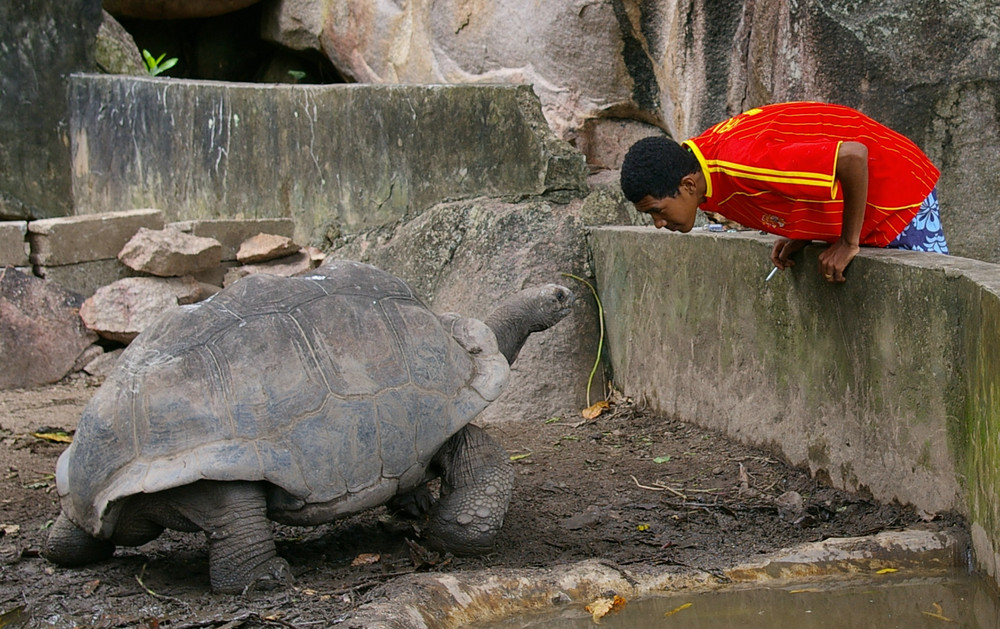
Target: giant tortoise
[(298, 400)]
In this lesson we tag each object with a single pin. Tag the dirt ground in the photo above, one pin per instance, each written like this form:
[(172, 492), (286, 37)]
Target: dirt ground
[(629, 487)]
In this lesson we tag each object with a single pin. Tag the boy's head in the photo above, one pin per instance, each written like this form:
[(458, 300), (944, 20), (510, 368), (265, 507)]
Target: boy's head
[(663, 180)]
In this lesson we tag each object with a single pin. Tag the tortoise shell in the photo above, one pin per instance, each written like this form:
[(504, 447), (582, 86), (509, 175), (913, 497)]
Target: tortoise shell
[(337, 387)]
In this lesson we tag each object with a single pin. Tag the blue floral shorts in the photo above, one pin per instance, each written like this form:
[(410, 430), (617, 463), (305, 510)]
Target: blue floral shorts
[(924, 232)]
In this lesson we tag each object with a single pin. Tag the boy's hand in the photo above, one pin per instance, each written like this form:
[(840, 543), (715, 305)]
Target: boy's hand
[(834, 260), (782, 251)]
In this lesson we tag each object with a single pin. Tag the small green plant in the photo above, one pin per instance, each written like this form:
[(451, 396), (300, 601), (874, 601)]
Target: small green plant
[(157, 65), (298, 75)]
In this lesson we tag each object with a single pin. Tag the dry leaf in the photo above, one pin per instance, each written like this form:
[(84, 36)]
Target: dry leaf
[(678, 609), (604, 606), (594, 410), (90, 587), (56, 436), (365, 559)]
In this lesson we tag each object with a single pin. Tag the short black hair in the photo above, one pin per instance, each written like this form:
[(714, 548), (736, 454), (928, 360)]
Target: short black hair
[(654, 167)]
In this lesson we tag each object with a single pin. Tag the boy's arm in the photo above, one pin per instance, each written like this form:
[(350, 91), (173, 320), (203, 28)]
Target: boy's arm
[(852, 173)]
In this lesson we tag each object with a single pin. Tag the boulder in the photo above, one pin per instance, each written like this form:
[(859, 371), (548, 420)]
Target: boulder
[(554, 46), (174, 9), (465, 256), (264, 247), (120, 311), (170, 253), (116, 52), (41, 334)]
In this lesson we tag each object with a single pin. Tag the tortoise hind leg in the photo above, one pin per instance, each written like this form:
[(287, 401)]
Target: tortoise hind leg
[(69, 545), (476, 485), (233, 515)]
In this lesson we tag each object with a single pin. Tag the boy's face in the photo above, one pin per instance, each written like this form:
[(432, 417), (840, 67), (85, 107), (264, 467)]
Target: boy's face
[(676, 213)]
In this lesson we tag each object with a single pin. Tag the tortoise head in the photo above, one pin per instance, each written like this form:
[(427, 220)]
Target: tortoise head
[(530, 310)]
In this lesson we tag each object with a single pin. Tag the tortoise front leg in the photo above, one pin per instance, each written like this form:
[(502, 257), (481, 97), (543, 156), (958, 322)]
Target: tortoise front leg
[(477, 481), (69, 545), (241, 542)]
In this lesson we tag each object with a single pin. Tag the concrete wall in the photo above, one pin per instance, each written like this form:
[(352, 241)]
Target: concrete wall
[(887, 385), (41, 41), (331, 157)]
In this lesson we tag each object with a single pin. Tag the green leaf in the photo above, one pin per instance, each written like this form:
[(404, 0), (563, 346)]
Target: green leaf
[(661, 459)]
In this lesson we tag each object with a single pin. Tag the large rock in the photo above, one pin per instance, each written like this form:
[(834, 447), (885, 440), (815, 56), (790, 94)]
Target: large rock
[(41, 42), (464, 256), (120, 311), (170, 253), (116, 51), (41, 334), (576, 55), (174, 9)]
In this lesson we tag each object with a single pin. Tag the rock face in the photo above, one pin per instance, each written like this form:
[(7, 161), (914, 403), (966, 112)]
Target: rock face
[(683, 65), (173, 9), (116, 52), (571, 52), (930, 74), (43, 42), (463, 256), (41, 334)]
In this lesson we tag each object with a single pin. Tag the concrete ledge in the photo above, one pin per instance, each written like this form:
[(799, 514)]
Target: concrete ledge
[(73, 239), (888, 384), (328, 156), (13, 243)]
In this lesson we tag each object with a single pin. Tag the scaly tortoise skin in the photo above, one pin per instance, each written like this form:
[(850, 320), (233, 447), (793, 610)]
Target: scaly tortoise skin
[(298, 400)]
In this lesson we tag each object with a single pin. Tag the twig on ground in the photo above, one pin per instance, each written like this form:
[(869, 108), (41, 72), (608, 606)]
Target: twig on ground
[(162, 597), (659, 487)]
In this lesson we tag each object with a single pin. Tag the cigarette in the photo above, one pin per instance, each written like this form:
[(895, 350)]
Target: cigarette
[(771, 274)]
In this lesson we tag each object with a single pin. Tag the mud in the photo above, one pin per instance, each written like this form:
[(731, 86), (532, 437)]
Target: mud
[(631, 489)]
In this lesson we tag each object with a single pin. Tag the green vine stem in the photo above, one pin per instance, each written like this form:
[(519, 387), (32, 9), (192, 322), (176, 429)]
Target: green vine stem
[(600, 342)]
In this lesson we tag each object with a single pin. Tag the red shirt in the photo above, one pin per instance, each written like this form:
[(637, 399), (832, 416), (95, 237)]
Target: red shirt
[(772, 168)]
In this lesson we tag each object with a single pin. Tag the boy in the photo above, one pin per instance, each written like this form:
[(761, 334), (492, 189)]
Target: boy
[(804, 171)]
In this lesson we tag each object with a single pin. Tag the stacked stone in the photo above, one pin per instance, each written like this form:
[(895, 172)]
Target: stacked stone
[(112, 275)]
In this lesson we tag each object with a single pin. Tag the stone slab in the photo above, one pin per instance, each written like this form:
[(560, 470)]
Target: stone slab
[(85, 278), (231, 233), (13, 243), (87, 238), (314, 153)]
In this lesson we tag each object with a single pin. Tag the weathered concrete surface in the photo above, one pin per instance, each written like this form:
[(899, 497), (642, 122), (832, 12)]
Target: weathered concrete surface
[(41, 41), (888, 384), (13, 243), (72, 239), (429, 601), (330, 157)]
